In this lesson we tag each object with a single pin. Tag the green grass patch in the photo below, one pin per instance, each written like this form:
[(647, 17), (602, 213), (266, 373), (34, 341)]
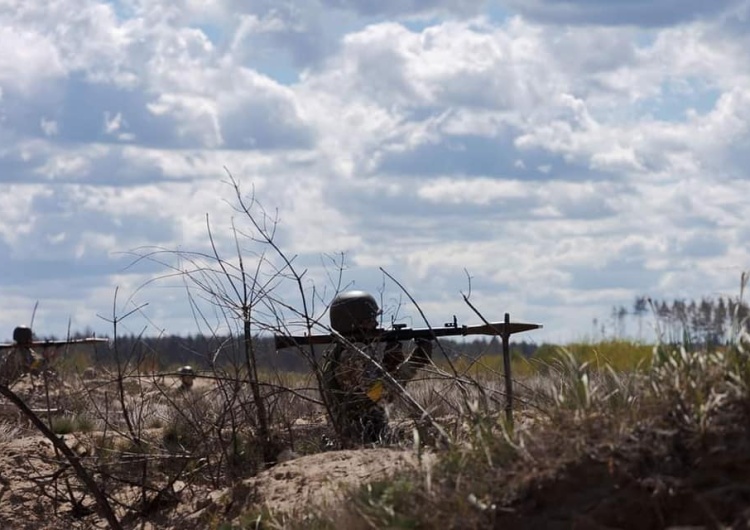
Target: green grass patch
[(618, 355)]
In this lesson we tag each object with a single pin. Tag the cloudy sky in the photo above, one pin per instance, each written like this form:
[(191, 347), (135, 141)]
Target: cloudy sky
[(554, 157)]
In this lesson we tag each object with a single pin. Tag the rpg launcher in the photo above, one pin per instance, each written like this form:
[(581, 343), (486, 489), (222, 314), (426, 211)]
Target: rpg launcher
[(400, 332), (22, 338), (41, 344)]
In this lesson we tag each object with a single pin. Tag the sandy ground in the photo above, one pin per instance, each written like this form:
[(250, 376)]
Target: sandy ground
[(309, 483), (28, 463), (292, 487)]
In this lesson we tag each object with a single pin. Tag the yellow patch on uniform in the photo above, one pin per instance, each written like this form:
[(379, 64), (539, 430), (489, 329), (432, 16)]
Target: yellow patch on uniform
[(376, 391)]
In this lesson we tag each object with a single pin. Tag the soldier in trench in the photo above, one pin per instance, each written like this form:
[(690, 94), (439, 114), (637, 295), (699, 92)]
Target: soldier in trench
[(356, 386), (21, 359)]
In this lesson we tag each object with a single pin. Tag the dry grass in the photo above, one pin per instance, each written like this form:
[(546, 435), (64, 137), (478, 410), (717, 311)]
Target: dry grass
[(9, 431)]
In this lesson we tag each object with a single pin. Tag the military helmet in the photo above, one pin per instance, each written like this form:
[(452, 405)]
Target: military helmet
[(187, 376), (351, 310), (22, 335), (186, 370)]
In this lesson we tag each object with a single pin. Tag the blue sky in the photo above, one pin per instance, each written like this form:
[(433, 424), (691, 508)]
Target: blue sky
[(554, 158)]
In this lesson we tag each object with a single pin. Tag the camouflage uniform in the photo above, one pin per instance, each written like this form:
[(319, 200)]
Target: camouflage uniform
[(356, 389), (21, 359), (15, 363)]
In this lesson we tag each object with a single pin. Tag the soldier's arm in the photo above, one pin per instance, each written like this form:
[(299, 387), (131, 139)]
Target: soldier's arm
[(393, 356)]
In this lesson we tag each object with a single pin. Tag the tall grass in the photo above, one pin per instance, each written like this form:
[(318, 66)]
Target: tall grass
[(618, 355)]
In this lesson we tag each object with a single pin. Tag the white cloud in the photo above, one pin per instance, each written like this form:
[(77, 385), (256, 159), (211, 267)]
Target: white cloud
[(197, 118), (49, 127), (112, 124), (29, 61), (566, 168), (474, 191), (409, 7), (626, 12)]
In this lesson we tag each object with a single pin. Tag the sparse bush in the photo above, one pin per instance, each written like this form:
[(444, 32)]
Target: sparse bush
[(69, 424)]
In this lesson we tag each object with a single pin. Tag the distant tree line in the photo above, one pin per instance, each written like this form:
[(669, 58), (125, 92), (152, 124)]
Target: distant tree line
[(708, 321), (171, 351)]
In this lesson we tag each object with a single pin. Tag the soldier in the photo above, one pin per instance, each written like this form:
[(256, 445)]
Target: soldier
[(187, 378), (354, 386), (21, 359)]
